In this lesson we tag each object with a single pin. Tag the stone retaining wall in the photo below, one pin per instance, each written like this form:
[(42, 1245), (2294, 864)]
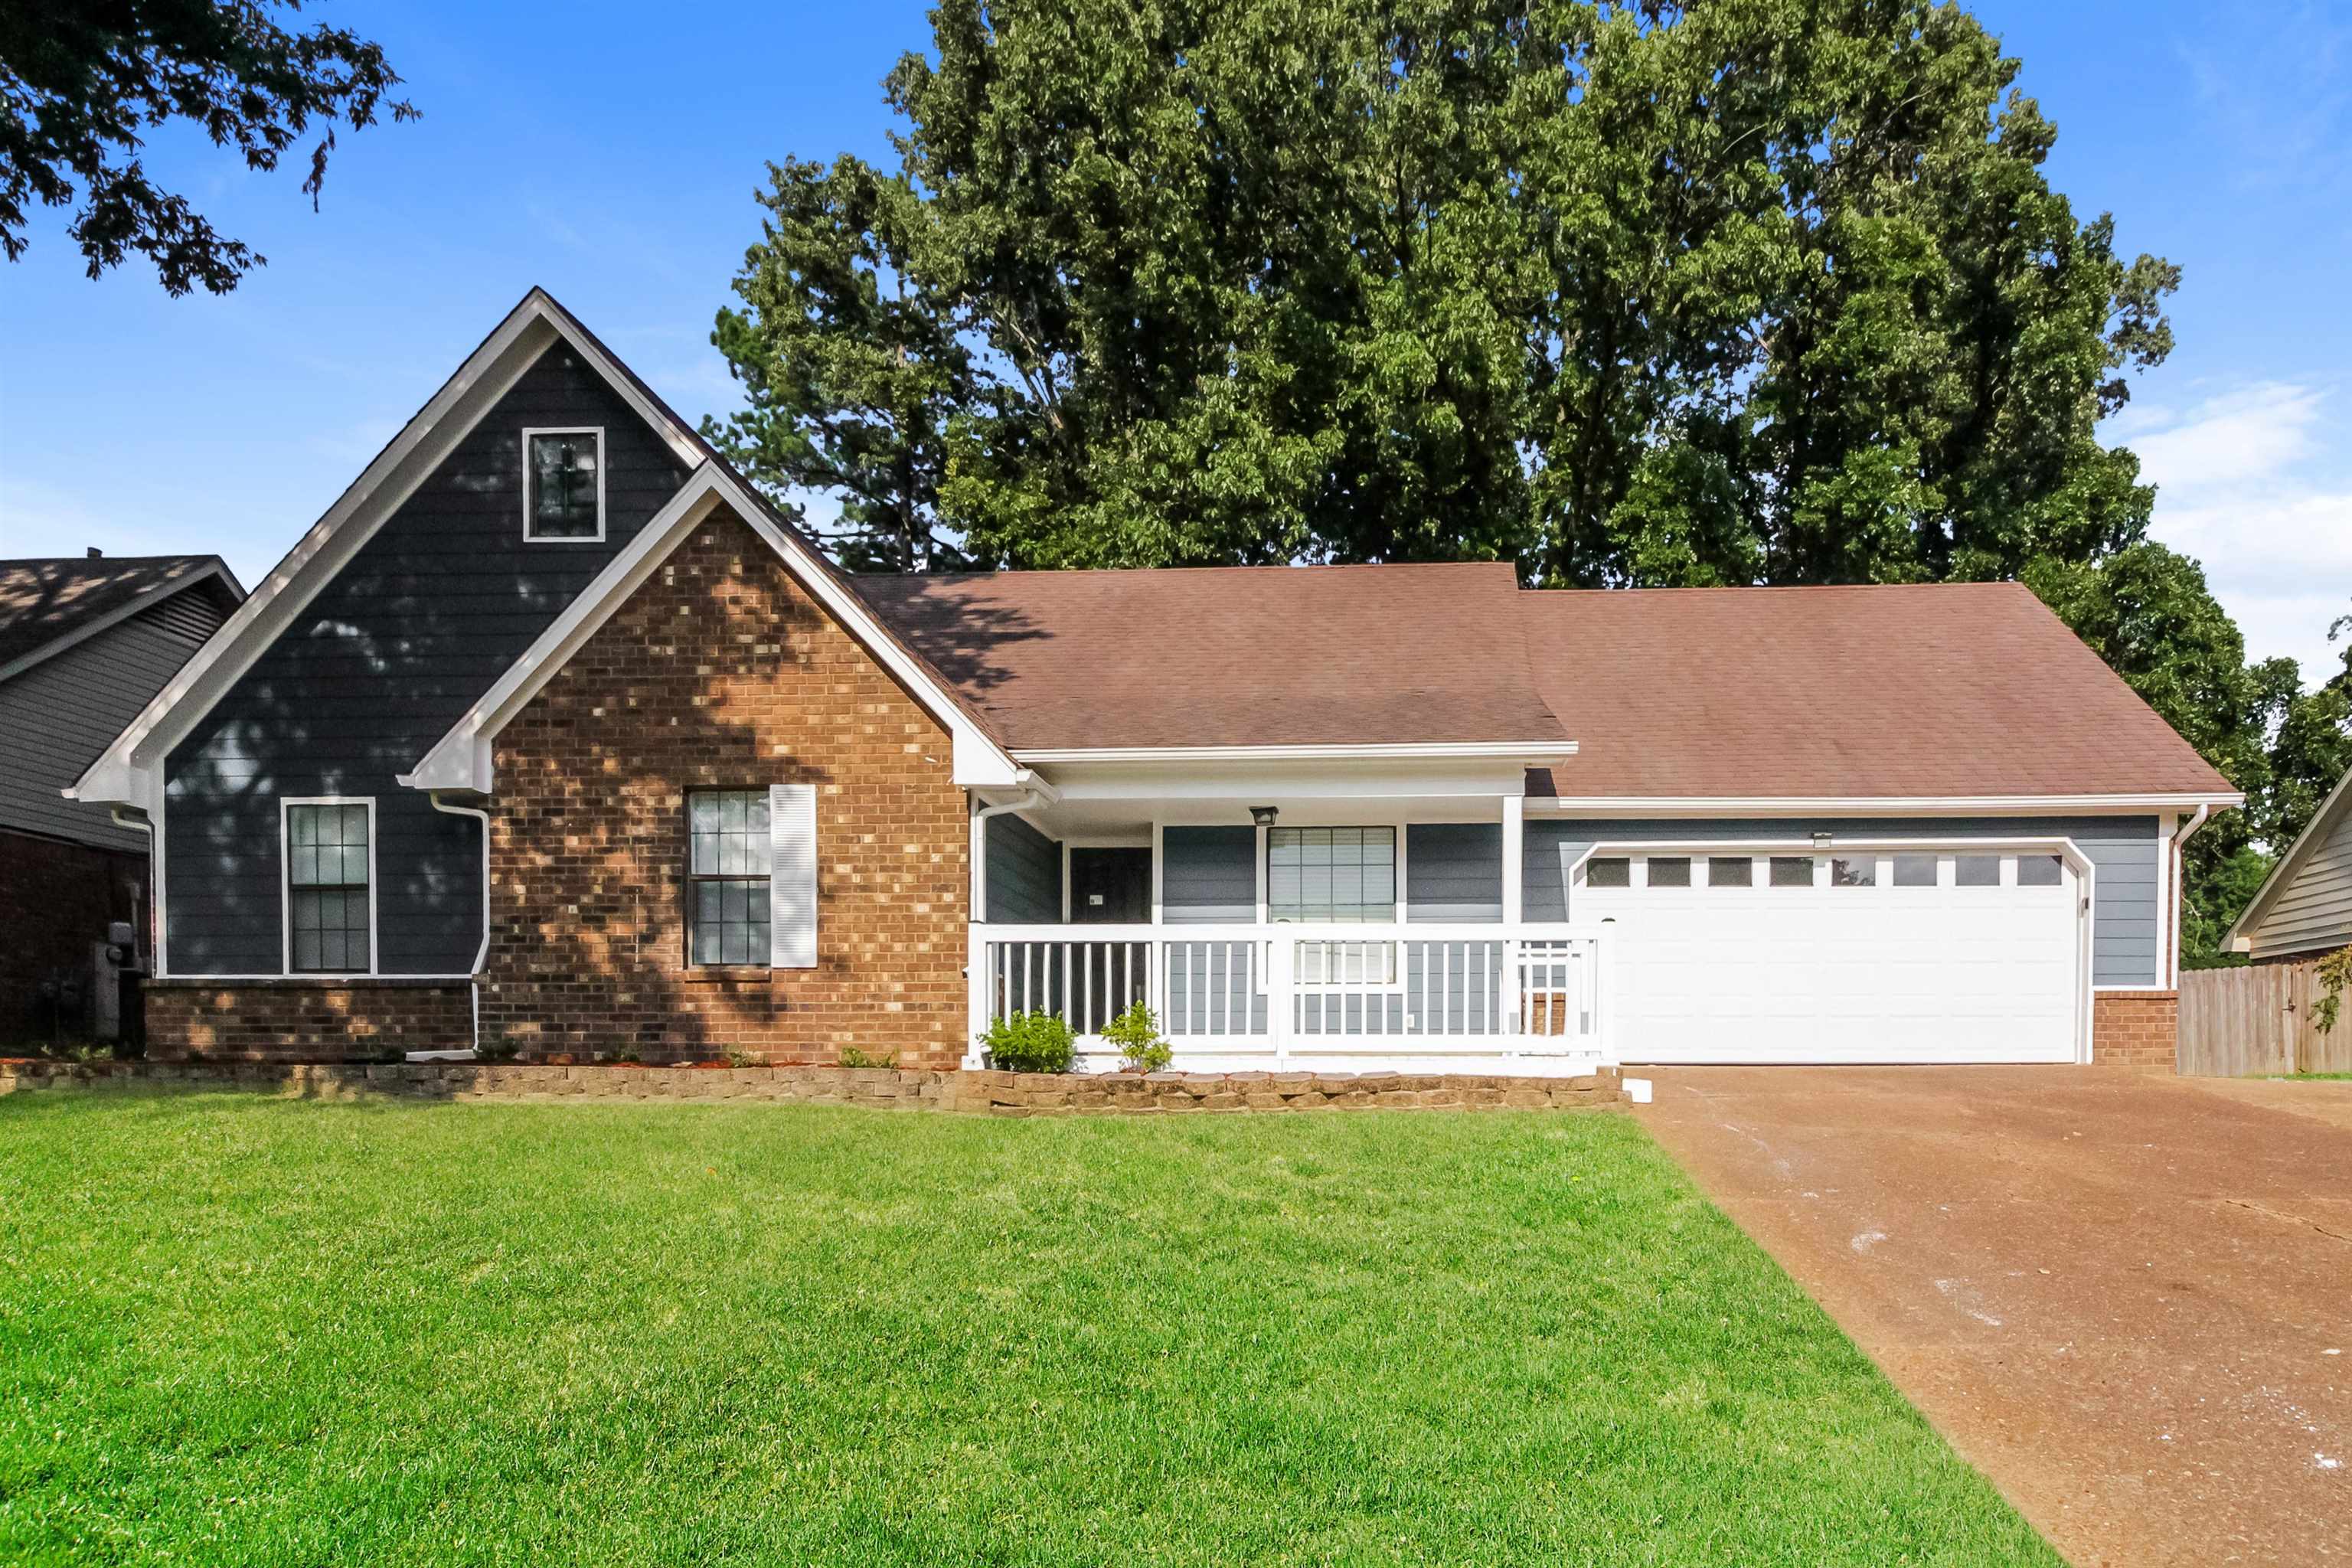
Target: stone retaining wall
[(990, 1093)]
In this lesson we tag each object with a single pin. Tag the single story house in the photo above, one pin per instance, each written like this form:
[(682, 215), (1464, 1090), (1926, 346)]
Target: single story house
[(2302, 911), (86, 642), (552, 733)]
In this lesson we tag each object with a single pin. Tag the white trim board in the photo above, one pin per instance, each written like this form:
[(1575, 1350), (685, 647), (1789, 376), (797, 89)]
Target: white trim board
[(529, 432), (1873, 805), (285, 804), (129, 772), (463, 759), (1528, 751)]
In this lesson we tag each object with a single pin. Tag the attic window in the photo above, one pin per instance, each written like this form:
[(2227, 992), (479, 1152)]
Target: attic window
[(563, 485)]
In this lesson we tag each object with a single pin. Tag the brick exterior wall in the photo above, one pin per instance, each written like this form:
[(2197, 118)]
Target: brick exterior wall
[(56, 900), (2135, 1028), (721, 672), (297, 1021)]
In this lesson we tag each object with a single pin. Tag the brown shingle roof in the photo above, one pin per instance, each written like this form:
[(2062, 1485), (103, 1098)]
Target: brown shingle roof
[(1230, 655), (1950, 689)]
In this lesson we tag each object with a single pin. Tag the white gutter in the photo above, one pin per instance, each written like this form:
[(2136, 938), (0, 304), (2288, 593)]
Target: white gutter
[(481, 953), (1877, 805), (2180, 890), (1531, 752)]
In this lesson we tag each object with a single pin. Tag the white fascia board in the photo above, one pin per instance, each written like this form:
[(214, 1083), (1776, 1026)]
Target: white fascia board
[(2239, 936), (1875, 805), (1528, 753), (126, 771), (1270, 782), (462, 758)]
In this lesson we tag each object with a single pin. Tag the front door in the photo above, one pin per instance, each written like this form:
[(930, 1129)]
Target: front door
[(1110, 887)]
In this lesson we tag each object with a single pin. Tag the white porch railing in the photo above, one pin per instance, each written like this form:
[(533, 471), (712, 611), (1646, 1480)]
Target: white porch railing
[(1419, 998)]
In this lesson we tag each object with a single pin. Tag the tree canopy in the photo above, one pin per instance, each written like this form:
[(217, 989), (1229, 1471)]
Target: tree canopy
[(1765, 290), (82, 83), (1627, 294)]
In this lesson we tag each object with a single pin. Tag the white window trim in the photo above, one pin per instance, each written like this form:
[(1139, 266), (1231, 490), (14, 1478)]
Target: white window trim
[(1394, 985), (286, 890), (529, 434), (693, 965)]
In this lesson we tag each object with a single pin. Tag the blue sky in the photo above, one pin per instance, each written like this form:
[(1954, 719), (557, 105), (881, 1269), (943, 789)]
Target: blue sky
[(614, 163)]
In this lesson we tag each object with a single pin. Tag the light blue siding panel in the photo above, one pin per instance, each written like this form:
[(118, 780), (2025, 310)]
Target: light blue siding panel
[(1453, 871), (1025, 873), (2123, 852), (1208, 875)]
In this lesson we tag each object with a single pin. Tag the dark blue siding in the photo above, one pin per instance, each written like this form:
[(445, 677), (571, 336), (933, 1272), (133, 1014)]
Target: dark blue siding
[(420, 623), (1453, 871), (2124, 849), (1025, 873), (1208, 874)]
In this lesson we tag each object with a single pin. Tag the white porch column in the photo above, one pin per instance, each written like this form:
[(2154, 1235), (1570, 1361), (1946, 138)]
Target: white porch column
[(1514, 997), (1515, 813)]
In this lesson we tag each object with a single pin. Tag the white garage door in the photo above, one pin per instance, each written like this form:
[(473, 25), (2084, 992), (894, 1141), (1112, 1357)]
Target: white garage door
[(1856, 957)]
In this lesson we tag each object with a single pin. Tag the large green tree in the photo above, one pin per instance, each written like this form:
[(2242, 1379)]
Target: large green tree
[(82, 83), (1755, 290)]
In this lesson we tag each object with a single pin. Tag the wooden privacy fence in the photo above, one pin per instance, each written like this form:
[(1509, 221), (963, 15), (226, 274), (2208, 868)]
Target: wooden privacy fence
[(2243, 1022)]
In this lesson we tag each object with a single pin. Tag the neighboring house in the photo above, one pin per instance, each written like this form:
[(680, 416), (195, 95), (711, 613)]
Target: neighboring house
[(552, 733), (2302, 911), (85, 644)]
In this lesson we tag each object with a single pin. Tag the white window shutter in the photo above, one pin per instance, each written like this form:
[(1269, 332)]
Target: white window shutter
[(792, 876)]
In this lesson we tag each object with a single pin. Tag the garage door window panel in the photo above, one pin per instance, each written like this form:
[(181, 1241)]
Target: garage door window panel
[(2040, 871), (1976, 871)]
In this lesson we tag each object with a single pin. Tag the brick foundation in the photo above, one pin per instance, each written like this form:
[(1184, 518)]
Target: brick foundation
[(297, 1021), (985, 1094), (2135, 1029), (721, 672)]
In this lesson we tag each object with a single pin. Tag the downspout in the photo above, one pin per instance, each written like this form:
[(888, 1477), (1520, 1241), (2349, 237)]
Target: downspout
[(141, 823), (482, 953), (2180, 888), (1034, 793)]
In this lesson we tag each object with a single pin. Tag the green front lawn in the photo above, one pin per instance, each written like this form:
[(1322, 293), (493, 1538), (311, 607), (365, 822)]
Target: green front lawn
[(235, 1329)]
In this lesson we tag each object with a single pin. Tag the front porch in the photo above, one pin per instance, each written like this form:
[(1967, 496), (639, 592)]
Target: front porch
[(1441, 997), (1358, 915)]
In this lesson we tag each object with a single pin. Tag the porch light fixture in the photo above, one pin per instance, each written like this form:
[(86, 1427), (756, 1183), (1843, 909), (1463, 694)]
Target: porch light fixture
[(1264, 815), (1820, 843)]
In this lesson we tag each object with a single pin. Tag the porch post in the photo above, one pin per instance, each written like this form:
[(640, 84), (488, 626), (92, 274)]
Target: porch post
[(1515, 816), (1513, 989)]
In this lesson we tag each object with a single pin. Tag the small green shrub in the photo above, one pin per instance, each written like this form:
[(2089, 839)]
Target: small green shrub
[(851, 1057), (1135, 1033), (741, 1058), (1030, 1042)]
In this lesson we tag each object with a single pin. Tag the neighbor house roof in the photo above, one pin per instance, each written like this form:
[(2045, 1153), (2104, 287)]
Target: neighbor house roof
[(1952, 690), (47, 604), (1220, 657)]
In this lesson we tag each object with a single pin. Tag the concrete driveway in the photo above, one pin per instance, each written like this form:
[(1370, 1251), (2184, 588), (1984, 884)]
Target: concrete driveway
[(2126, 1298)]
